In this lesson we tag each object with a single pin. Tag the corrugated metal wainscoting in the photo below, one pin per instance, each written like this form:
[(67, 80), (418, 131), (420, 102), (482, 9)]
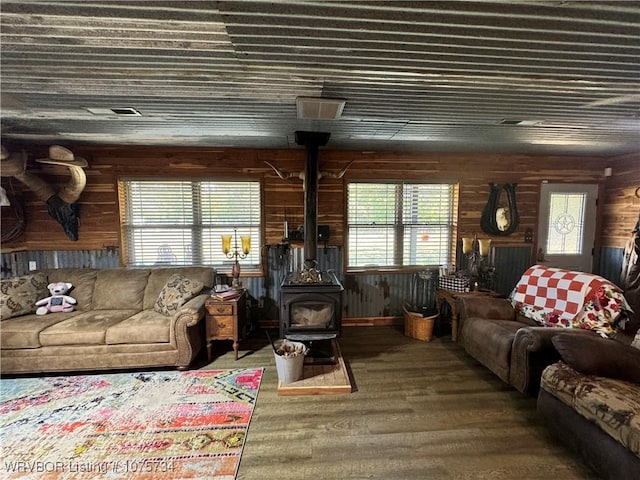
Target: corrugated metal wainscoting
[(367, 295), (17, 263), (510, 264), (611, 263)]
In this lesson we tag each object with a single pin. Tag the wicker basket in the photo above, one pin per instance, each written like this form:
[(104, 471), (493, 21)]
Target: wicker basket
[(418, 326)]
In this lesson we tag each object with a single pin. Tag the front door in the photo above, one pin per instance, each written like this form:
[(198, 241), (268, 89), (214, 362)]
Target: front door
[(567, 225)]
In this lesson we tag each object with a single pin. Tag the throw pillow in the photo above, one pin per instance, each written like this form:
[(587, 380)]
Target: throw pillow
[(176, 292), (20, 294), (603, 357)]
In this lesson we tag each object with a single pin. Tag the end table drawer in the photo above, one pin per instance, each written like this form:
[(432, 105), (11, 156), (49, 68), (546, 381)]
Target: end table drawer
[(226, 320), (220, 326), (221, 309)]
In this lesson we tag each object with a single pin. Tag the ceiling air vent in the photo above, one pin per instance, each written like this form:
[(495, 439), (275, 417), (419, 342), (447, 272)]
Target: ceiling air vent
[(524, 123), (128, 111), (317, 108)]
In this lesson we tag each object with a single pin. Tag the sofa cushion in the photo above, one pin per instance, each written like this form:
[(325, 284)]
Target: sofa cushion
[(177, 291), (593, 355), (147, 326), (561, 381), (613, 405), (86, 328), (159, 276), (120, 289), (24, 331), (527, 321), (20, 294), (83, 281)]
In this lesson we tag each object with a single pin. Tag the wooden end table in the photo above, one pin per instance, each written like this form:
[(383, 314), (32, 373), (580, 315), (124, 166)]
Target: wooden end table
[(226, 320), (450, 296)]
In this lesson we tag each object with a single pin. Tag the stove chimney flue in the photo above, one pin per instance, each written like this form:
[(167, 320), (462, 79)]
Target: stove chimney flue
[(311, 141)]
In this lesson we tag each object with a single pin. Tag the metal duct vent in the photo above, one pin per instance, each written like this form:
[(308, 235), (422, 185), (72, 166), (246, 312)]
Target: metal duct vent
[(115, 111), (316, 108), (525, 123)]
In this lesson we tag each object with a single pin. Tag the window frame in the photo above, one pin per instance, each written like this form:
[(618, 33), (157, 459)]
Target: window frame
[(400, 227), (197, 226)]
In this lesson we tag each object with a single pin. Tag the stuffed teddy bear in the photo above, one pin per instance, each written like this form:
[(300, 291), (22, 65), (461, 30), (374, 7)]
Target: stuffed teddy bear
[(58, 301)]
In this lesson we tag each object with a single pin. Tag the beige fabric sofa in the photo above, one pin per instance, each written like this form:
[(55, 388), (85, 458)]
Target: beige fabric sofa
[(115, 325)]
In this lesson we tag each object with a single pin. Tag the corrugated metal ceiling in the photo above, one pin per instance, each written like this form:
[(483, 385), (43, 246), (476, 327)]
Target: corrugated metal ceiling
[(432, 76)]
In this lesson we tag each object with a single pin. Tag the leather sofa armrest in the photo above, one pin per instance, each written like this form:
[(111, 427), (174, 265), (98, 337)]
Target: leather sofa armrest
[(185, 330), (531, 352)]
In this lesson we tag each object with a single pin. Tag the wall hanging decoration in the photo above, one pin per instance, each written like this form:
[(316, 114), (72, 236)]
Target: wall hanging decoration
[(13, 218), (61, 203), (500, 216)]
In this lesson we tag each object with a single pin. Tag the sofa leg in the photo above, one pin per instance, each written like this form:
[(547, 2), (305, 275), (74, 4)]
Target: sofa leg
[(182, 368)]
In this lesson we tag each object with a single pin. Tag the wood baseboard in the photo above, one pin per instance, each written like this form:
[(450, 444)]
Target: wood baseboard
[(349, 322), (372, 321)]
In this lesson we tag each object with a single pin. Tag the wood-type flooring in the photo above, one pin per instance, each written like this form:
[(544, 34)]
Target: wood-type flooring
[(419, 410)]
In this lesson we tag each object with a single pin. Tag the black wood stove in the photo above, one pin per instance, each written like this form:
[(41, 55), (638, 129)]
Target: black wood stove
[(311, 300), (310, 310)]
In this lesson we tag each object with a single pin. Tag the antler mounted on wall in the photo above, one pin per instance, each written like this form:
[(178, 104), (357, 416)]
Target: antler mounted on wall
[(287, 175), (61, 205)]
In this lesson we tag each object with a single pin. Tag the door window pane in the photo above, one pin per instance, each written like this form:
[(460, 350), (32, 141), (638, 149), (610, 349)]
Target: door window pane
[(566, 223)]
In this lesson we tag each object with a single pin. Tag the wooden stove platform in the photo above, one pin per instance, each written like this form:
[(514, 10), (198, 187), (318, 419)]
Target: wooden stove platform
[(320, 379)]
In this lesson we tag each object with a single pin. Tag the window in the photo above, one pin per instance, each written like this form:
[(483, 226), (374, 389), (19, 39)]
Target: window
[(400, 224), (180, 222)]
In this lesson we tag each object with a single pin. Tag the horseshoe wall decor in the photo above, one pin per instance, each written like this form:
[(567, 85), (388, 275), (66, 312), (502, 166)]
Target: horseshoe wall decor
[(500, 216)]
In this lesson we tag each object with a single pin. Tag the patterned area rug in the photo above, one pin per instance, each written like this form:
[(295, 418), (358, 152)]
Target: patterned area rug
[(145, 425)]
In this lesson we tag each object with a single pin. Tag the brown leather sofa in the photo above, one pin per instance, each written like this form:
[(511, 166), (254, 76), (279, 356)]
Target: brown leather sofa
[(124, 318), (512, 346), (591, 401), (587, 387)]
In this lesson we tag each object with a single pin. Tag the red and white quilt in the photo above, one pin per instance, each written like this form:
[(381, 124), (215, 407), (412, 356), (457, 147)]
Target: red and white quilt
[(556, 297)]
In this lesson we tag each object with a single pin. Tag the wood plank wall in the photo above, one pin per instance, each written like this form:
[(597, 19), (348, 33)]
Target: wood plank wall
[(99, 202), (621, 205)]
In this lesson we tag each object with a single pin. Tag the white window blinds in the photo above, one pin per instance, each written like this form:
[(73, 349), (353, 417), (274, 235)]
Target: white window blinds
[(399, 224), (180, 222)]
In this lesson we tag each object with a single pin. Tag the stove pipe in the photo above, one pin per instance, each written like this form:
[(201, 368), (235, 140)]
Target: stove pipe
[(311, 141)]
